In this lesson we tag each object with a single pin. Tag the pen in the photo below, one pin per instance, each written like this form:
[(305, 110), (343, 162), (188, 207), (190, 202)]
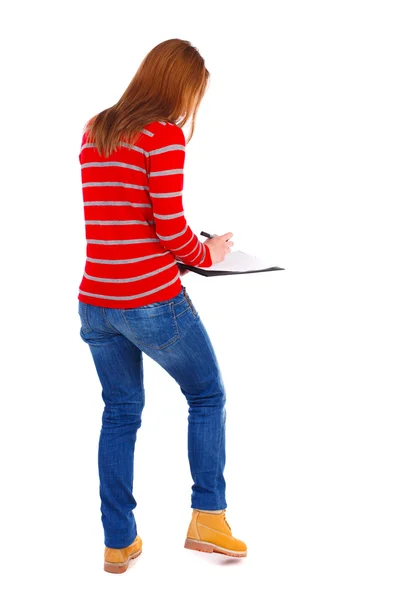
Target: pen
[(206, 234)]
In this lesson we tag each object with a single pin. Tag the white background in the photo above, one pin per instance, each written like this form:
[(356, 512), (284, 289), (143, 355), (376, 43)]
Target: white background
[(301, 150)]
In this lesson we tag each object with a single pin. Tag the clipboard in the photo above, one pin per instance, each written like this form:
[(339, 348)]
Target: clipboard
[(234, 263)]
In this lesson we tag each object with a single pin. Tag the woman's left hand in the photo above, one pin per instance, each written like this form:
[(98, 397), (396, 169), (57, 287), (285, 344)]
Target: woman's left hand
[(182, 270)]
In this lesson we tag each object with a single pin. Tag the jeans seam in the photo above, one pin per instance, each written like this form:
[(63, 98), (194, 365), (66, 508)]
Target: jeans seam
[(85, 317), (188, 300), (107, 321)]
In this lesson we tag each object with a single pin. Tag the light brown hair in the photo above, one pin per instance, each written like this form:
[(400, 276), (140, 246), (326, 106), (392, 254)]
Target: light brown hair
[(168, 86)]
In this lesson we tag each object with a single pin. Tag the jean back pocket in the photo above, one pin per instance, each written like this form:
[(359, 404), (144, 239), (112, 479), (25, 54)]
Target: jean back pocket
[(153, 326)]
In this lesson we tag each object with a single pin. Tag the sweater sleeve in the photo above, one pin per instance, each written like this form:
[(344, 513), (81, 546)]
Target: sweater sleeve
[(166, 164)]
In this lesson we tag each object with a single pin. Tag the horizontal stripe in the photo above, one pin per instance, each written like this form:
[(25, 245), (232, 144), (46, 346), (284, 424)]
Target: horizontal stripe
[(168, 172), (166, 195), (167, 149), (188, 254), (114, 184), (172, 237), (183, 246), (125, 261), (136, 148), (119, 222), (197, 253), (162, 122), (123, 144), (112, 242), (150, 292), (149, 133), (88, 145), (203, 255), (129, 279), (116, 203), (112, 163), (172, 216)]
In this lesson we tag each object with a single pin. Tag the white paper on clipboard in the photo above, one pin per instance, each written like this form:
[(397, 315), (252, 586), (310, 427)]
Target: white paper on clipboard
[(237, 260)]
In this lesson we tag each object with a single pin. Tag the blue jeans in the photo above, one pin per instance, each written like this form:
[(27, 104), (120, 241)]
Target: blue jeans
[(171, 333)]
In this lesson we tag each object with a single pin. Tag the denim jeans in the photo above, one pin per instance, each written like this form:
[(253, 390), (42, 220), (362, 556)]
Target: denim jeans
[(171, 333)]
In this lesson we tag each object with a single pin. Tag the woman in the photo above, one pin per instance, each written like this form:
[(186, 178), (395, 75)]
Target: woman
[(131, 300)]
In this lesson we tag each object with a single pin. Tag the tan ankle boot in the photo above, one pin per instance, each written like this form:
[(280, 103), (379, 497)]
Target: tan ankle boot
[(116, 560), (210, 532)]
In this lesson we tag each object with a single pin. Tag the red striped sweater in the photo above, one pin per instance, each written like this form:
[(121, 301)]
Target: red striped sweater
[(134, 220)]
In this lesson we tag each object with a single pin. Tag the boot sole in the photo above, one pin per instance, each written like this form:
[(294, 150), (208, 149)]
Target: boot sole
[(192, 544), (110, 567)]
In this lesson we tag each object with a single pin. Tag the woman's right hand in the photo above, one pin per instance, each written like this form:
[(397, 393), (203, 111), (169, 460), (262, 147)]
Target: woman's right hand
[(219, 246)]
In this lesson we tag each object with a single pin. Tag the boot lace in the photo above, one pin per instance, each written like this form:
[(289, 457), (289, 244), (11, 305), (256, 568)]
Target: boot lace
[(225, 520)]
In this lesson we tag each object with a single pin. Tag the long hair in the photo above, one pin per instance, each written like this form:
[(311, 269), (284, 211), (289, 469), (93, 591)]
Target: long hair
[(168, 86)]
